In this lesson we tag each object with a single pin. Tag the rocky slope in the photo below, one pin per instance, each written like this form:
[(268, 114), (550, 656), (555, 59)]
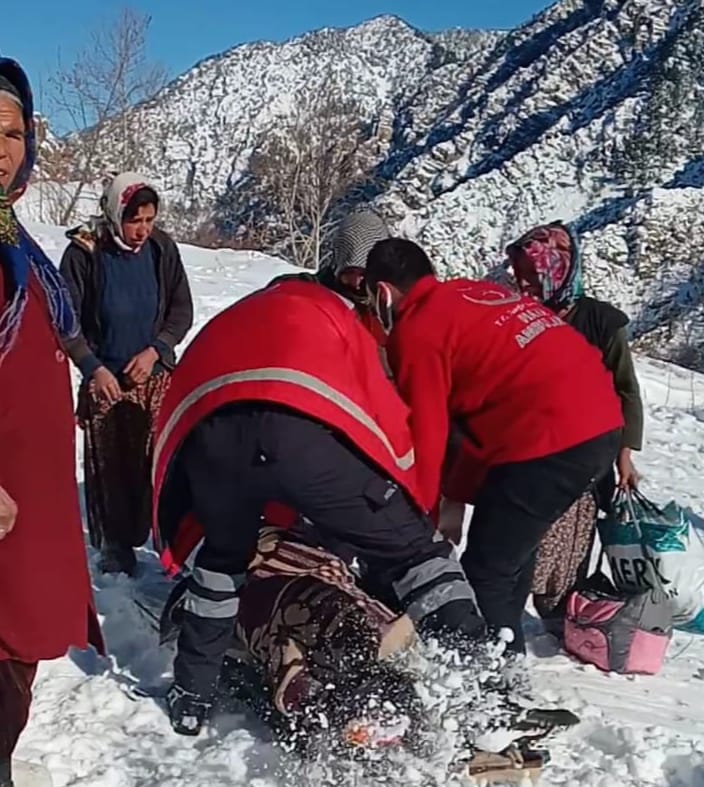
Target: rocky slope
[(592, 113)]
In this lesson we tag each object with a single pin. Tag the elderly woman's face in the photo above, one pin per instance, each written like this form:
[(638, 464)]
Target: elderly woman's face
[(13, 144)]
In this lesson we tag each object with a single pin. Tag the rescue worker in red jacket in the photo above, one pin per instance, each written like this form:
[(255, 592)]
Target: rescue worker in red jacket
[(527, 390), (342, 271), (300, 413)]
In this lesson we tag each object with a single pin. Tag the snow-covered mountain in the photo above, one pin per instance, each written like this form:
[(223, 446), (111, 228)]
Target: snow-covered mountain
[(592, 112), (197, 135)]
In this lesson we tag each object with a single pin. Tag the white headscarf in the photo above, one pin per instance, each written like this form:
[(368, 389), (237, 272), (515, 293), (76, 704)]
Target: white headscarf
[(116, 198)]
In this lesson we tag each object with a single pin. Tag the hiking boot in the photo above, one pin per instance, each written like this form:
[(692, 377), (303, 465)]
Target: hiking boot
[(187, 711), (117, 559)]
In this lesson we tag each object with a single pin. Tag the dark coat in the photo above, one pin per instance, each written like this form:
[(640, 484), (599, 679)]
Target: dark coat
[(604, 326), (81, 268)]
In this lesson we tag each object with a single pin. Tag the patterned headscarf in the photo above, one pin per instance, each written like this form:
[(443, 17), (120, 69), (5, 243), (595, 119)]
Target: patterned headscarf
[(19, 254), (553, 253)]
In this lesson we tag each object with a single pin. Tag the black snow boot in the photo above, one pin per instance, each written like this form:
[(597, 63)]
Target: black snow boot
[(117, 559), (187, 711)]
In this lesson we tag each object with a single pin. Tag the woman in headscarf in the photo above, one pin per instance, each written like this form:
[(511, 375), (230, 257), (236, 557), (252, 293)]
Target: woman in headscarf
[(134, 305), (546, 264), (46, 603), (343, 270)]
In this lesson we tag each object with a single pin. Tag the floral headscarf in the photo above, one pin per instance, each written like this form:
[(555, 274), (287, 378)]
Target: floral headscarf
[(553, 253)]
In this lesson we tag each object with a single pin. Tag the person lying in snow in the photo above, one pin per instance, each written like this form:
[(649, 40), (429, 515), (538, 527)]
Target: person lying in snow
[(314, 636), (228, 442), (313, 655)]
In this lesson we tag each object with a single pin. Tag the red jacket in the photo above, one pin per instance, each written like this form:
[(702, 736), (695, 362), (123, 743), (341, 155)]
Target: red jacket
[(297, 344), (517, 380), (371, 322), (46, 600)]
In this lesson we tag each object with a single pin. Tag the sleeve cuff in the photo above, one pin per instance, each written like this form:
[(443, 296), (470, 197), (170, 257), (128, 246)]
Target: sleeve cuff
[(88, 366), (162, 348)]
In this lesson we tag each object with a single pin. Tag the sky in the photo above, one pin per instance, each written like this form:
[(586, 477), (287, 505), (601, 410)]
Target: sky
[(186, 31)]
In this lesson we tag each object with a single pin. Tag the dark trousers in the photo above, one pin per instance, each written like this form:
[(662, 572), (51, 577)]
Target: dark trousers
[(16, 680), (239, 459), (513, 511)]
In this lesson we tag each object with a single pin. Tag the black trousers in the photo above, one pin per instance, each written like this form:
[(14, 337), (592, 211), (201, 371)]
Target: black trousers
[(513, 511), (241, 458), (16, 679)]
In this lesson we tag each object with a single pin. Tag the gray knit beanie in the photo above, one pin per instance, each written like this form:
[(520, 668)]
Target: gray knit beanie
[(356, 235)]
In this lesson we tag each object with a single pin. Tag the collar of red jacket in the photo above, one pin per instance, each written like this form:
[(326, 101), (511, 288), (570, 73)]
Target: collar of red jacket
[(417, 293)]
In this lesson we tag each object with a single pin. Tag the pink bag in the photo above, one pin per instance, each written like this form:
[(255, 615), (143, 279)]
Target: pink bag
[(619, 633)]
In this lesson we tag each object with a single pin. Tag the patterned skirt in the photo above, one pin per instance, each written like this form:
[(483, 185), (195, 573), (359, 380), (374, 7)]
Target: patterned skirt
[(563, 555), (118, 441), (306, 622)]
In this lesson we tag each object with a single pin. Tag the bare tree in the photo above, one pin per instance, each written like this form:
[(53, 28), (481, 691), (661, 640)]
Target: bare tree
[(305, 164), (53, 171), (96, 89)]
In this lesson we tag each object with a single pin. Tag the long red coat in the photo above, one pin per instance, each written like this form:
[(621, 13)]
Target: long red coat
[(297, 344), (45, 591)]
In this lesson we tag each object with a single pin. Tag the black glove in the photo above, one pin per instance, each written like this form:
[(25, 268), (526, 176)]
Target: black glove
[(187, 711)]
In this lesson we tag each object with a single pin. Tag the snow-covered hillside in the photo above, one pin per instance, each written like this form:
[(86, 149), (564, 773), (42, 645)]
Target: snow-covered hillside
[(591, 112), (644, 732), (197, 135)]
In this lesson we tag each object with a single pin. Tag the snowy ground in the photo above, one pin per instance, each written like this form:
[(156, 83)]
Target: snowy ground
[(642, 731)]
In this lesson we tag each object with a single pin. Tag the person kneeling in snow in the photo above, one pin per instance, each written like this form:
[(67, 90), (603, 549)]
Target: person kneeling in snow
[(528, 392), (297, 410)]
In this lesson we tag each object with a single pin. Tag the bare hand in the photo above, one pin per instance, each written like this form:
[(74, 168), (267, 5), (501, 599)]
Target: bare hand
[(104, 385), (8, 513), (628, 476), (139, 369), (450, 520)]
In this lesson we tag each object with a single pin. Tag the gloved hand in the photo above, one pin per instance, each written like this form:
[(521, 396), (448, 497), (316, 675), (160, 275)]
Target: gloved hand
[(187, 711)]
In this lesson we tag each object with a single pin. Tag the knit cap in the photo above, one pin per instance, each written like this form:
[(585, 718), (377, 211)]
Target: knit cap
[(356, 235)]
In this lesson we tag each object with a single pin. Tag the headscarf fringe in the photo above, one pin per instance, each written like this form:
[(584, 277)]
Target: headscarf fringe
[(10, 320)]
